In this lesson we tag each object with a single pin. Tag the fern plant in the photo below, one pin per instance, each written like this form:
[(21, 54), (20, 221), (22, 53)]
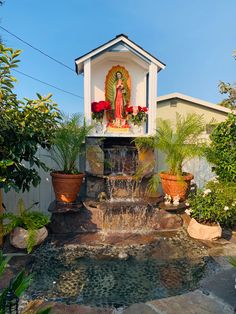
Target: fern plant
[(29, 220), (68, 141), (179, 142)]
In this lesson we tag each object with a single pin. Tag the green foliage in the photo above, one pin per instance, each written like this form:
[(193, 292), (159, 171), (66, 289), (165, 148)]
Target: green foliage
[(179, 142), (29, 220), (68, 141), (139, 118), (230, 91), (19, 283), (222, 152), (232, 261), (25, 125), (216, 203)]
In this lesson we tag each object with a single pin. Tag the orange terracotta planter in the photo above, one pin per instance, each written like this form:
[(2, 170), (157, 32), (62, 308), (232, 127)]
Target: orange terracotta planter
[(176, 186), (66, 186)]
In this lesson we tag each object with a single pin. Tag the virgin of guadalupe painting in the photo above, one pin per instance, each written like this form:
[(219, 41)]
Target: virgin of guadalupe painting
[(117, 92)]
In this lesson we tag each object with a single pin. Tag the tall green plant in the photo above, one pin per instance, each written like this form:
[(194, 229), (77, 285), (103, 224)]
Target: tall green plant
[(68, 141), (178, 141)]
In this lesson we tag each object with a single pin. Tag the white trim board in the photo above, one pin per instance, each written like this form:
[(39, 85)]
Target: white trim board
[(120, 38)]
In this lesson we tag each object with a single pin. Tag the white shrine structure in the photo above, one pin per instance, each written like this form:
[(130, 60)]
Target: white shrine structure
[(120, 88)]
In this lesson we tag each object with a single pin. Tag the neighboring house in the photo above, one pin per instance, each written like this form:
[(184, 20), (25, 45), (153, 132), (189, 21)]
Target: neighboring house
[(170, 104)]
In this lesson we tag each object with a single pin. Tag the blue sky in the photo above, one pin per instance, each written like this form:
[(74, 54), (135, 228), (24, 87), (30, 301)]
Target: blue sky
[(195, 39)]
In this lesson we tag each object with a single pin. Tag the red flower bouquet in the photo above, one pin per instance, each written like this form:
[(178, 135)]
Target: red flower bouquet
[(137, 115), (98, 109)]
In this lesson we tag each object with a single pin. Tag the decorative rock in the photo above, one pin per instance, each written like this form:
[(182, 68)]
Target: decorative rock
[(123, 255), (95, 185), (203, 232), (146, 162), (18, 237), (94, 158)]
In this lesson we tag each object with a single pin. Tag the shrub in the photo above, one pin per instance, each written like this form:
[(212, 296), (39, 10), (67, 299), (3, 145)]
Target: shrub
[(222, 152), (215, 203)]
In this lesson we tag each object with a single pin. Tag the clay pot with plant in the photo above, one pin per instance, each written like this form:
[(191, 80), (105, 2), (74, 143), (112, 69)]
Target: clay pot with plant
[(179, 142), (212, 208), (65, 152)]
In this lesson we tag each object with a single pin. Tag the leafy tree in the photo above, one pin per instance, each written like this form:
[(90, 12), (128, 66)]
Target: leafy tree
[(26, 125), (222, 152), (230, 91)]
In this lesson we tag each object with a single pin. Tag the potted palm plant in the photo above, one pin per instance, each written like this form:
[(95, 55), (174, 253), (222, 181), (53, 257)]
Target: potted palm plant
[(65, 152), (179, 143)]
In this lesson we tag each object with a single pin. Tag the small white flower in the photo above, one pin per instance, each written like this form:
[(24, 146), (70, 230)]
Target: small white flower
[(188, 211), (54, 282), (207, 191), (47, 179), (214, 179), (186, 203), (226, 208)]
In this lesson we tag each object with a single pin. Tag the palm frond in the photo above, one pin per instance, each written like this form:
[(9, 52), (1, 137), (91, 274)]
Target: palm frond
[(68, 142)]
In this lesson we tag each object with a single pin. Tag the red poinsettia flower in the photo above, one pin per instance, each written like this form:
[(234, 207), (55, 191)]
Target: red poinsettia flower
[(95, 107), (129, 109), (107, 105), (142, 109)]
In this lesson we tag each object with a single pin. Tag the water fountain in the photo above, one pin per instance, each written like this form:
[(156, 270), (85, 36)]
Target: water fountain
[(120, 248)]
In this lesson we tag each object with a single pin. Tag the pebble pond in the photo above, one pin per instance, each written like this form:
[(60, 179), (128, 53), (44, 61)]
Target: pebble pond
[(96, 276)]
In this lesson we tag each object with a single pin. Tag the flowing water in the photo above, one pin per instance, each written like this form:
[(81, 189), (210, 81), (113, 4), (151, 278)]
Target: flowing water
[(120, 168)]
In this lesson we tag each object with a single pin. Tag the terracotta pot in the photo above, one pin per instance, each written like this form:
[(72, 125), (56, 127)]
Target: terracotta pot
[(66, 186), (176, 186), (204, 232), (19, 236)]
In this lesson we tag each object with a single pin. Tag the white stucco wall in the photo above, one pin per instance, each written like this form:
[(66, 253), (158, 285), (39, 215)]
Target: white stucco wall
[(138, 80)]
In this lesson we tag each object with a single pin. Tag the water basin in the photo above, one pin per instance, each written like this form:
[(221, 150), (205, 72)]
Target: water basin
[(96, 276)]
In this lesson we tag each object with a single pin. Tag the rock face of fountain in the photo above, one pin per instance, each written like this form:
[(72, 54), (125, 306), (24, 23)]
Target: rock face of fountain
[(111, 167), (123, 206)]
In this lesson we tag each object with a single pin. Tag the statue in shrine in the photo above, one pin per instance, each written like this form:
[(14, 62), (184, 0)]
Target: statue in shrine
[(117, 91), (119, 101)]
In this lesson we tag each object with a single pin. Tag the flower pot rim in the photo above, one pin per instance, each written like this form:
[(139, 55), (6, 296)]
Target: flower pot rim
[(60, 174), (19, 227), (186, 176), (205, 224)]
